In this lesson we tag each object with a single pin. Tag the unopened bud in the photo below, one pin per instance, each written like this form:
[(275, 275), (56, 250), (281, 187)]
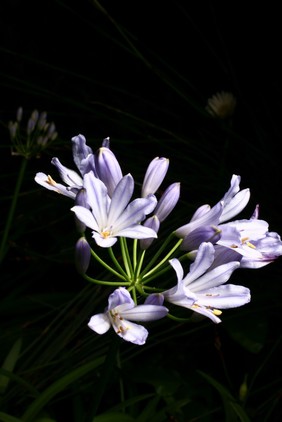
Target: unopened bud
[(82, 255)]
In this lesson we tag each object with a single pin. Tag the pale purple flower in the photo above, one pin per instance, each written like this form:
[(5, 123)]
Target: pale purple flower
[(121, 311), (202, 289), (114, 217), (233, 202), (252, 240), (84, 161)]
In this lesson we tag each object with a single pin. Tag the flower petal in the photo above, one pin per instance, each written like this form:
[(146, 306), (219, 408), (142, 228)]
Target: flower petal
[(203, 261), (134, 333), (70, 177), (120, 296), (215, 277), (210, 217), (120, 198), (50, 184), (97, 198), (145, 313), (85, 216), (99, 323), (224, 297)]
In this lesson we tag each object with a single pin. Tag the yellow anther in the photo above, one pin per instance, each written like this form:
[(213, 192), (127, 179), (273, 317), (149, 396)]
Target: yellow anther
[(216, 312), (105, 234), (245, 240), (250, 245), (51, 181)]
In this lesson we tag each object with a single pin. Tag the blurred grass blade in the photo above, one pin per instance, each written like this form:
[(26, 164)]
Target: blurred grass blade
[(38, 404), (4, 417), (9, 364), (234, 411)]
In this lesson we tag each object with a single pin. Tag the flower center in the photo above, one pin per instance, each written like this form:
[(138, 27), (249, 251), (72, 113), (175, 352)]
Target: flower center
[(118, 322), (105, 233)]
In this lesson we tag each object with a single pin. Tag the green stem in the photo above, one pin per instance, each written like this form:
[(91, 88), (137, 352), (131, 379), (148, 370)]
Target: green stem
[(156, 274), (158, 253), (178, 319), (163, 261), (3, 248), (108, 267), (106, 283), (134, 255), (139, 266), (126, 257), (117, 264)]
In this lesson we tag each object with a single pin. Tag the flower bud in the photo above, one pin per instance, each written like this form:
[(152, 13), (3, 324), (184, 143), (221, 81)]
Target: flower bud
[(81, 199), (82, 255), (154, 176), (168, 201), (108, 169), (153, 223), (201, 234)]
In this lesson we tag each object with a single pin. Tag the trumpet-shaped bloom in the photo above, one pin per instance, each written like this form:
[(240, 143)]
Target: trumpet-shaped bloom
[(84, 161), (233, 202), (202, 290), (113, 217), (121, 311), (250, 240)]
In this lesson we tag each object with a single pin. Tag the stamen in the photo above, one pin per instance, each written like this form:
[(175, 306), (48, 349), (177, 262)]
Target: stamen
[(51, 181), (245, 240), (251, 245)]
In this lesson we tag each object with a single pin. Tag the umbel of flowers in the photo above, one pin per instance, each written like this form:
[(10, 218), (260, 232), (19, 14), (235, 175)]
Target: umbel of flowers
[(110, 212)]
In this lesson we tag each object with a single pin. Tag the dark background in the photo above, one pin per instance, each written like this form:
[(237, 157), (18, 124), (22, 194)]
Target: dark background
[(141, 72)]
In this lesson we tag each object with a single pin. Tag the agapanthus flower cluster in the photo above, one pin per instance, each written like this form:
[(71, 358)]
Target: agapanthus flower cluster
[(190, 269), (31, 139)]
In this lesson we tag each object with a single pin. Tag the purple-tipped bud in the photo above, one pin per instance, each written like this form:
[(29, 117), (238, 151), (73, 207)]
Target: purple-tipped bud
[(168, 201), (154, 175), (108, 169), (201, 234), (82, 255), (153, 223)]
